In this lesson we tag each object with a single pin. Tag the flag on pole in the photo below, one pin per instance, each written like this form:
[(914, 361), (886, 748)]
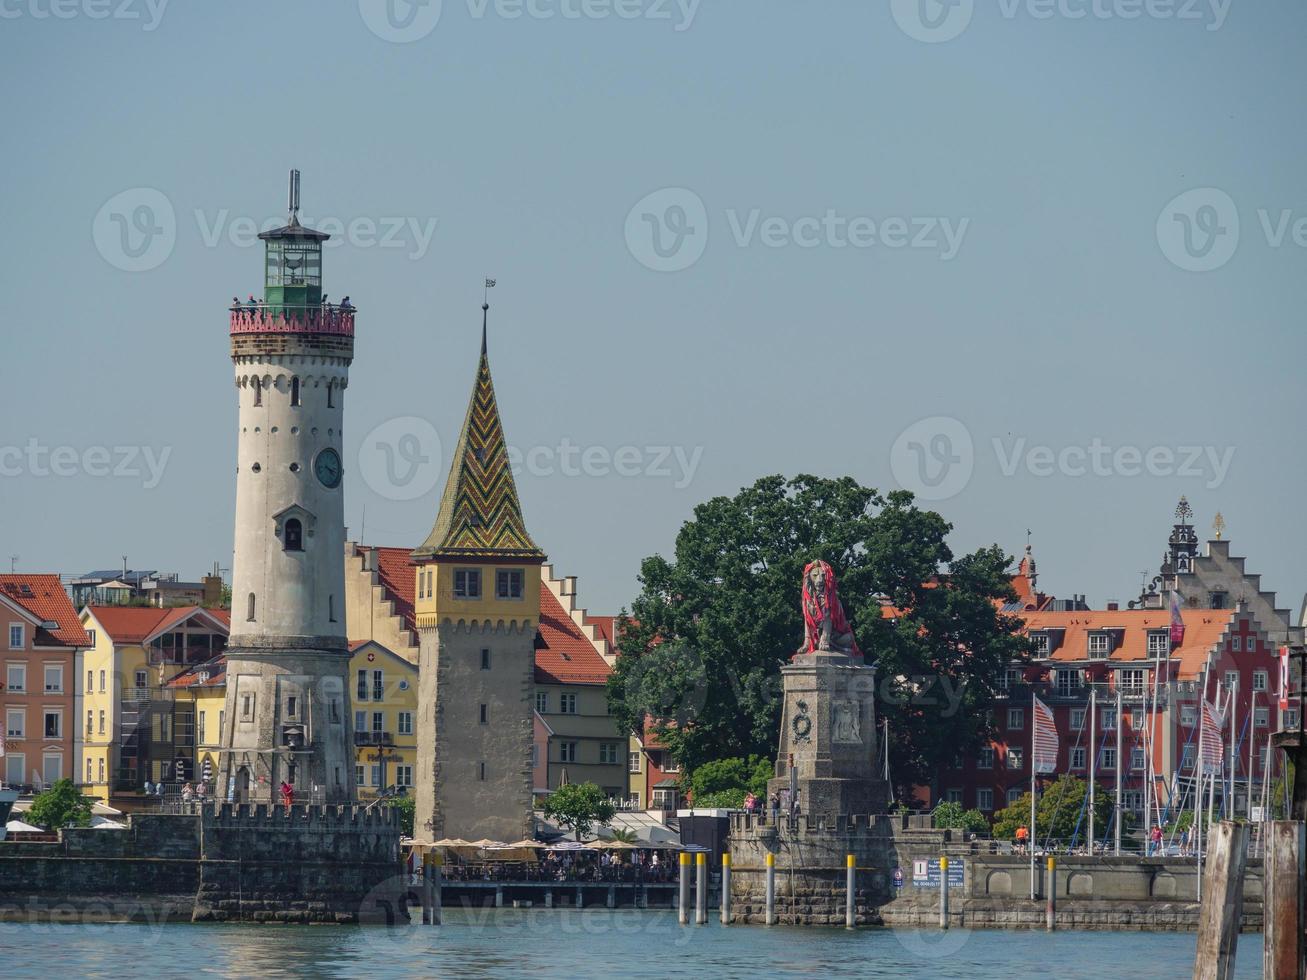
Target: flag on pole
[(1213, 753), (1177, 621), (1284, 682), (1044, 743), (490, 284)]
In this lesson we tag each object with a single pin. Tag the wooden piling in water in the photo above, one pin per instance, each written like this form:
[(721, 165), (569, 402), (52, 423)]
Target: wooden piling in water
[(1222, 907), (1283, 905)]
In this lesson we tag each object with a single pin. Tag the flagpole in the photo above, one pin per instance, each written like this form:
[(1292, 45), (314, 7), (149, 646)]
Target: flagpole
[(1033, 724), (1093, 764), (1252, 748), (1232, 710), (1198, 782), (1119, 765)]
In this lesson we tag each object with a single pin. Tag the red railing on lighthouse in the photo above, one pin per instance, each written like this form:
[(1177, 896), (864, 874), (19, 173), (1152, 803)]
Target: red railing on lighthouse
[(324, 319)]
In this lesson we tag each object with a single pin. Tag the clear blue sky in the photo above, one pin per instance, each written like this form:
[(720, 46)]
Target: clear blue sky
[(1062, 317)]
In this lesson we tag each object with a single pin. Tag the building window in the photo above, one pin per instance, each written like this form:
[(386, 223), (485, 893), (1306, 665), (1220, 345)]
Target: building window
[(247, 707), (222, 717), (335, 710), (467, 583), (291, 705), (508, 584), (294, 535), (360, 721), (566, 751), (481, 772), (1291, 718), (331, 396), (359, 778), (88, 770), (100, 769), (101, 721), (404, 776), (485, 714), (378, 722), (985, 800), (331, 608), (608, 753), (669, 764), (633, 762), (52, 767), (567, 704), (16, 631), (90, 721), (1259, 680), (1132, 681), (1077, 719), (485, 659), (1251, 645), (1013, 795), (986, 758), (542, 702), (1011, 678), (1216, 600), (954, 796), (54, 724), (1015, 759), (1136, 758), (1231, 680), (295, 391), (363, 685), (1137, 718), (1187, 757), (1041, 644), (1016, 719), (1159, 643), (404, 723), (535, 755), (1078, 757), (258, 392), (1109, 758), (378, 685), (16, 678), (1107, 719), (101, 682), (1188, 715), (90, 678), (141, 683), (1261, 717), (1068, 682), (1236, 644), (200, 729), (16, 726), (1100, 645), (249, 608)]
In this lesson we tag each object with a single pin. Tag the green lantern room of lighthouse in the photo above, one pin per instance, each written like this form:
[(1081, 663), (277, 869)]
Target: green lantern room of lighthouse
[(292, 281)]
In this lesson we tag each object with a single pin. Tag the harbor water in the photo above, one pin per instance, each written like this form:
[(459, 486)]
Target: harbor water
[(561, 943)]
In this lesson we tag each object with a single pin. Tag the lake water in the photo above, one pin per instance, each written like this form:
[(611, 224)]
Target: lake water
[(578, 945)]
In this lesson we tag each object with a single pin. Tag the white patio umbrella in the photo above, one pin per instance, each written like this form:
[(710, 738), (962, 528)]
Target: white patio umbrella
[(18, 827)]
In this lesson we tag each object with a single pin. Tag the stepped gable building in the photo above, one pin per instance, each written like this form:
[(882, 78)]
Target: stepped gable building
[(39, 693)]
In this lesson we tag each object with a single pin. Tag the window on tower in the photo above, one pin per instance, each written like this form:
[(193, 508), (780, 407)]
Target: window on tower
[(249, 608), (508, 584), (258, 392), (331, 396), (294, 535), (467, 583), (295, 391)]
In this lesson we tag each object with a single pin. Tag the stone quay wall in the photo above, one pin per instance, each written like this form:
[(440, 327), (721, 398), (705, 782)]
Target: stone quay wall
[(226, 863), (1091, 892)]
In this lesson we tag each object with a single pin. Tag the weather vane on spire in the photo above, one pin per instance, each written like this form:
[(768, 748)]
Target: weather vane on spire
[(485, 311), (1183, 512), (1218, 525), (294, 204)]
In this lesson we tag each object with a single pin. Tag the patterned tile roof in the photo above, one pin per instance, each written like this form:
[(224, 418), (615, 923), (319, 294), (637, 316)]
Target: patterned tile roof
[(44, 597), (479, 515)]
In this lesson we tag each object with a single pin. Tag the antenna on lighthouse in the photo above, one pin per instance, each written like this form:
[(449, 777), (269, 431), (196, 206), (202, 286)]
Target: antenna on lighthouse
[(294, 193)]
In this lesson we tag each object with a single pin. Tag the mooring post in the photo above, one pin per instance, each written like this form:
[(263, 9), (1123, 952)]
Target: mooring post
[(943, 891), (726, 888), (771, 889), (850, 883), (1050, 886), (683, 907), (1222, 907), (701, 889), (426, 889), (437, 861), (1283, 908)]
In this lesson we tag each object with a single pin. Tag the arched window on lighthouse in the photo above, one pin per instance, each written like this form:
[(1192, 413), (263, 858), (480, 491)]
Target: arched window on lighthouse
[(295, 391), (331, 396), (249, 609), (258, 392), (294, 535)]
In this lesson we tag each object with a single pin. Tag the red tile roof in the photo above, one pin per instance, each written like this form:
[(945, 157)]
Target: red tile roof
[(566, 656), (47, 602), (190, 677), (607, 627), (133, 624)]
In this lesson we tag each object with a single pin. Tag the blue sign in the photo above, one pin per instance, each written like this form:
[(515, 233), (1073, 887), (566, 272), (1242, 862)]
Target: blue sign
[(898, 877), (926, 874)]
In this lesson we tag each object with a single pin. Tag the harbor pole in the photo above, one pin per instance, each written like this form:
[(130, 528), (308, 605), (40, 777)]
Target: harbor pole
[(1051, 887), (683, 906), (1220, 914), (851, 878), (701, 889), (437, 862), (943, 892), (771, 889), (426, 889), (726, 888)]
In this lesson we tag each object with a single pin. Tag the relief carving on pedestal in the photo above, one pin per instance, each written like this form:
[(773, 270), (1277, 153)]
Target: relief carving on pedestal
[(801, 724), (846, 730)]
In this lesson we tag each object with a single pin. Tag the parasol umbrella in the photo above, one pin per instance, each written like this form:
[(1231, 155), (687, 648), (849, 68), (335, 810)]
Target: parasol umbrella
[(18, 827)]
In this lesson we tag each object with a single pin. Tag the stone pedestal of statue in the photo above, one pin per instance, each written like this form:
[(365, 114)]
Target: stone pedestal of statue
[(828, 737)]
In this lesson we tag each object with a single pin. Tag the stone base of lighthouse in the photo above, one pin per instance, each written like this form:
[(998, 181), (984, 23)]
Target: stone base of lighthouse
[(286, 719)]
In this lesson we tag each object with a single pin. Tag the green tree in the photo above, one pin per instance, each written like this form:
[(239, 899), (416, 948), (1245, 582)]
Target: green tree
[(60, 806), (1057, 813), (407, 807), (951, 816), (725, 782), (579, 806), (706, 637)]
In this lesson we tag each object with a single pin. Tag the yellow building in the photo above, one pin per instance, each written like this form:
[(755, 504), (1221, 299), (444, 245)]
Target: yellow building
[(384, 697), (131, 729), (201, 692)]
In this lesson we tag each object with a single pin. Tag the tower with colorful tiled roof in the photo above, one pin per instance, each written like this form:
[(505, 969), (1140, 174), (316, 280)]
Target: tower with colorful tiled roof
[(477, 612), (286, 719)]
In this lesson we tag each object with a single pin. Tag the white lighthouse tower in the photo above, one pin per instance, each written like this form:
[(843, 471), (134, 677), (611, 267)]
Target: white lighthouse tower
[(287, 713)]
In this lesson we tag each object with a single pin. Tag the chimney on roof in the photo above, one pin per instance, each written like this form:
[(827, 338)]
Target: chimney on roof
[(370, 560), (1113, 606)]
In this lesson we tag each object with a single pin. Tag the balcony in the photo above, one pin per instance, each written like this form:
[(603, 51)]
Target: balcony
[(374, 738), (328, 319)]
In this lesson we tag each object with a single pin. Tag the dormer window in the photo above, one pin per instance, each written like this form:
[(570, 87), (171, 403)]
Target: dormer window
[(1216, 600), (1041, 644), (508, 584), (467, 583), (1100, 644), (1159, 643)]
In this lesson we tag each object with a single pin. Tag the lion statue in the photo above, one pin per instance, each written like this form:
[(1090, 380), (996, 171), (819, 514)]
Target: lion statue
[(826, 630)]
